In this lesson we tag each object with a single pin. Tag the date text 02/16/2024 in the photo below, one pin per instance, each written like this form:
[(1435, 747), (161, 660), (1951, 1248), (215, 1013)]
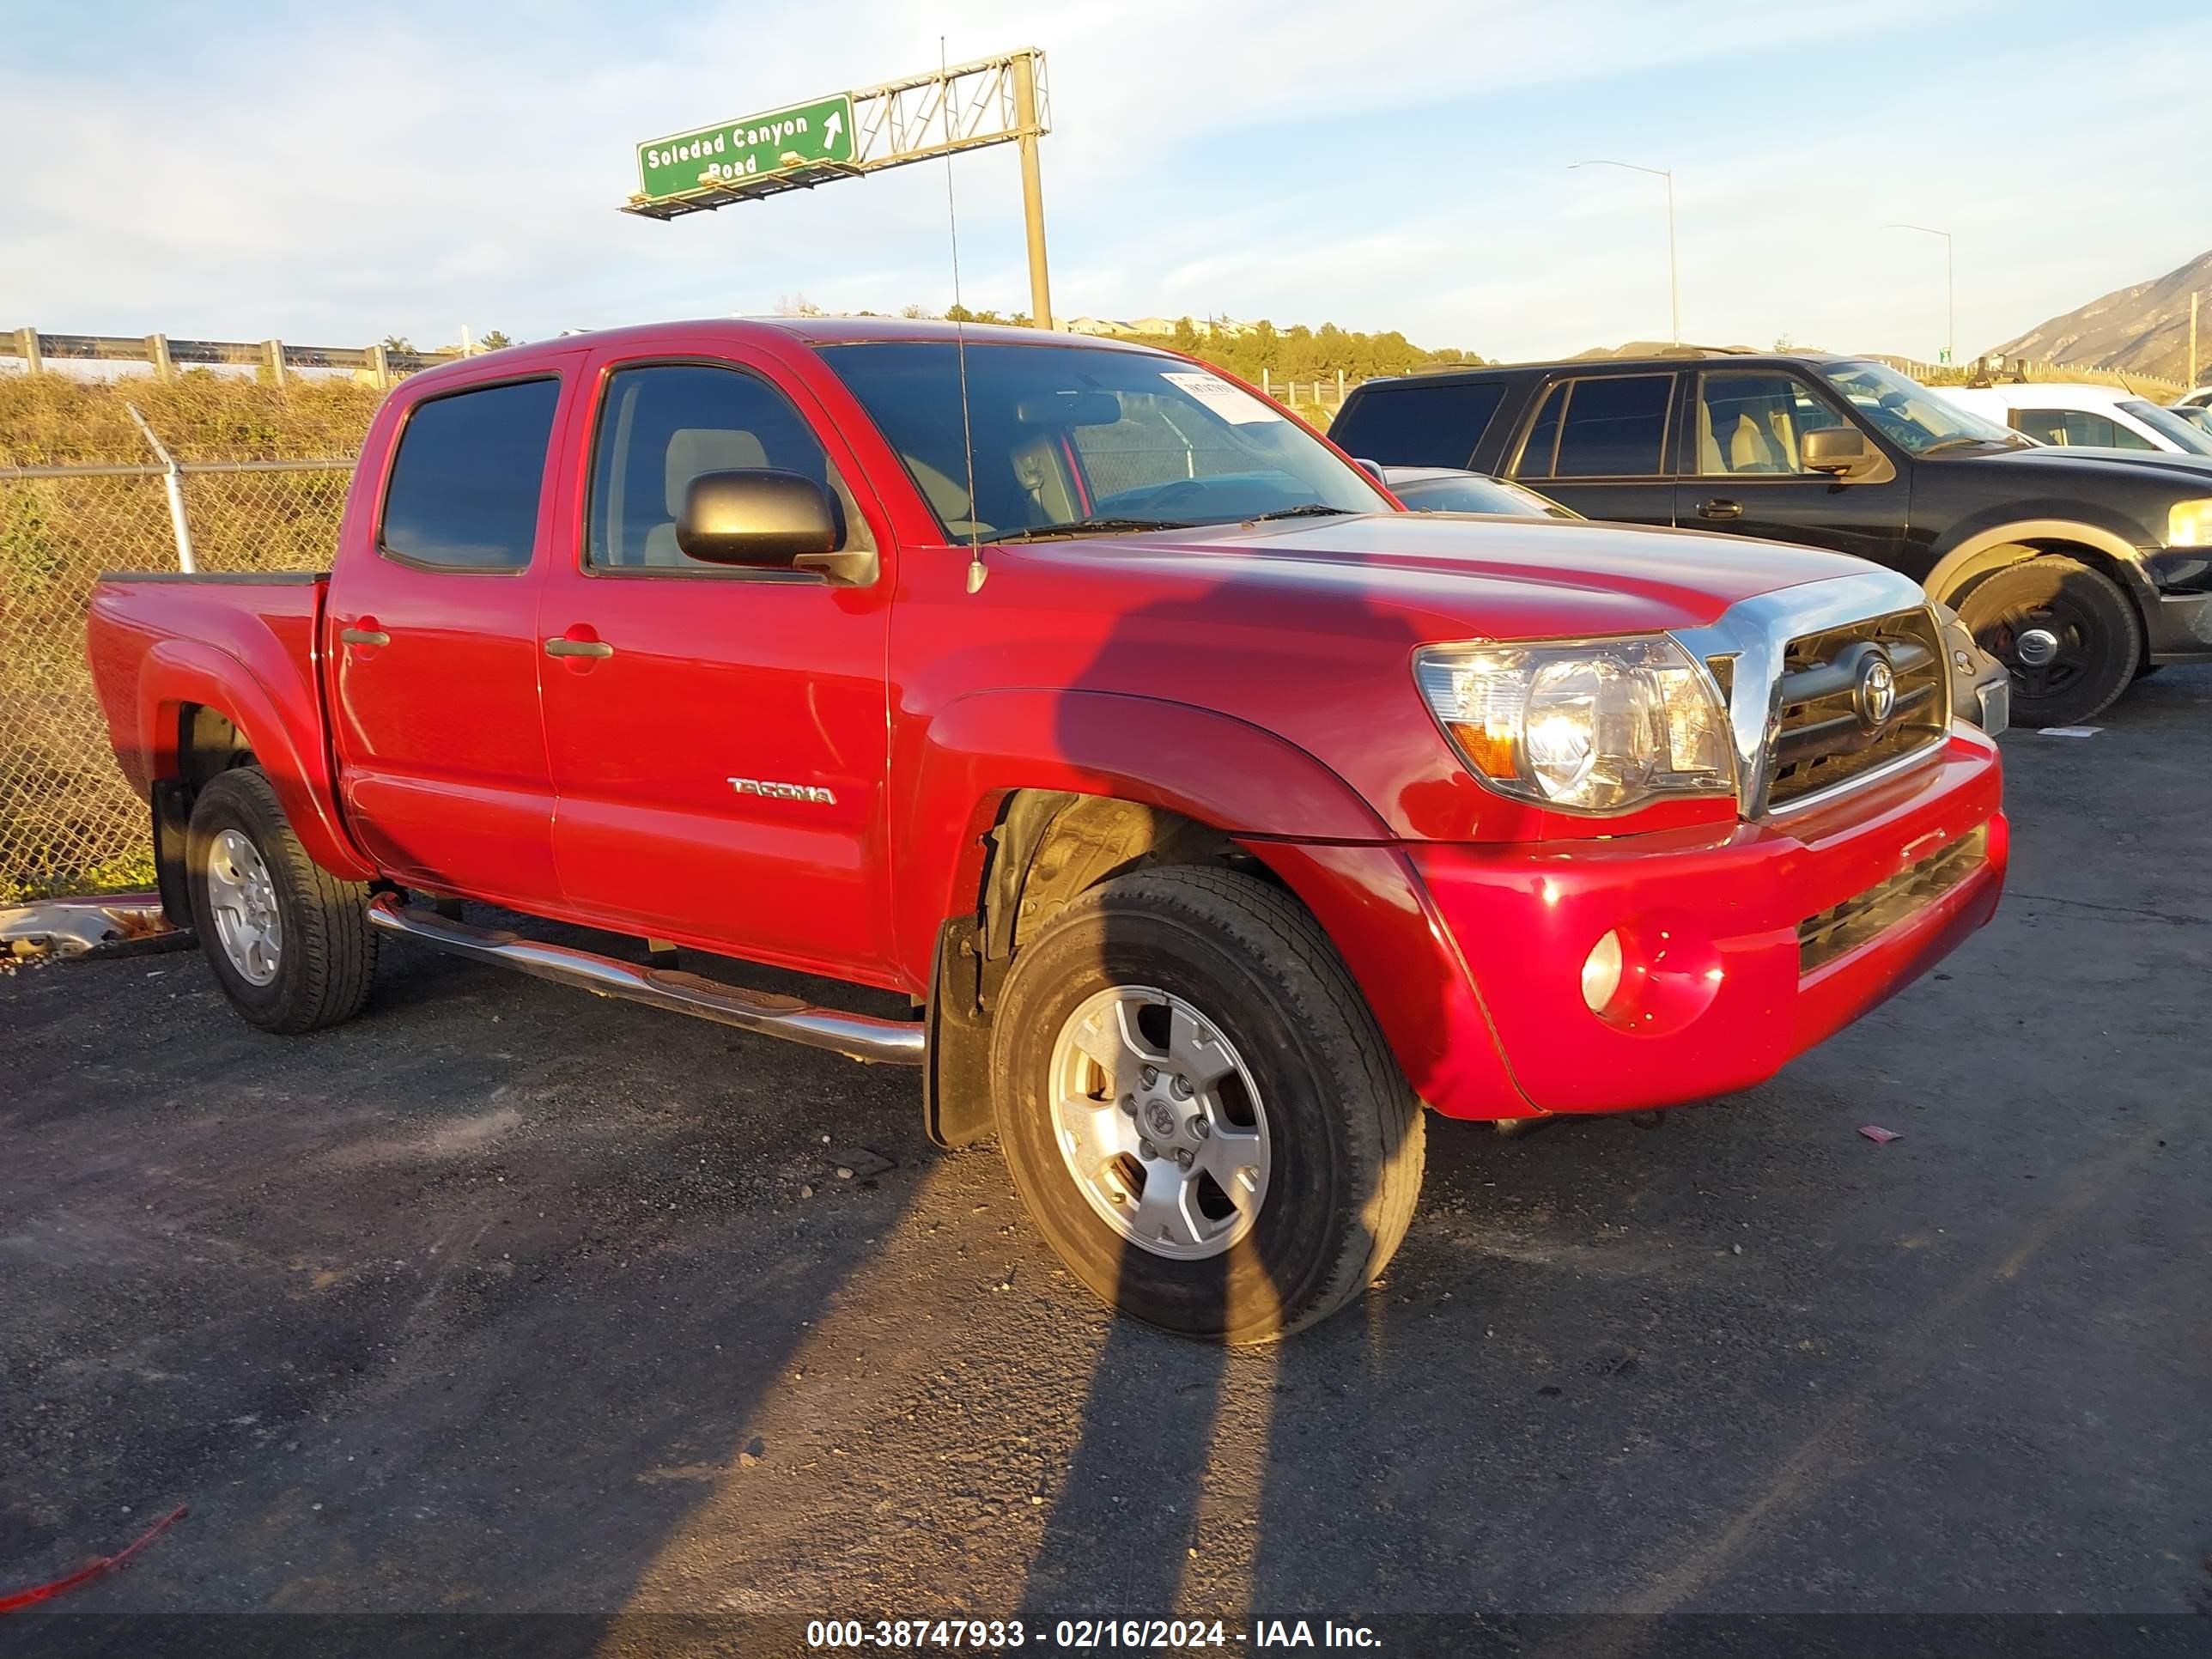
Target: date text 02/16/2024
[(1082, 1635)]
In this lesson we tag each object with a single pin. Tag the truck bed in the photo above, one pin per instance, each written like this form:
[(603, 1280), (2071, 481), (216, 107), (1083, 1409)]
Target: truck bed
[(151, 636)]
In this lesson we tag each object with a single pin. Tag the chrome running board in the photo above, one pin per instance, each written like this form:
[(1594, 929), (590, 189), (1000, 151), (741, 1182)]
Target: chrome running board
[(858, 1037)]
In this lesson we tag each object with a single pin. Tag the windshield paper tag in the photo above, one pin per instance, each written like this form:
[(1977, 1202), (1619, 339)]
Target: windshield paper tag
[(1237, 407)]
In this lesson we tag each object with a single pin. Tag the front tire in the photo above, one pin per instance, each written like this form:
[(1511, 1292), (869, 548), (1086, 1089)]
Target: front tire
[(1198, 1108), (2068, 635), (290, 943)]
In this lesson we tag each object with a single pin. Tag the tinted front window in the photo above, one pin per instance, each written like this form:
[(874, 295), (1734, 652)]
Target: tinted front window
[(1607, 426), (464, 484), (1058, 437), (664, 424), (1412, 424)]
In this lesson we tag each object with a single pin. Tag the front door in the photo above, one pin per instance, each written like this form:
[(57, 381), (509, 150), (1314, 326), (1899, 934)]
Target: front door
[(719, 749), (432, 639), (1598, 444), (1742, 474)]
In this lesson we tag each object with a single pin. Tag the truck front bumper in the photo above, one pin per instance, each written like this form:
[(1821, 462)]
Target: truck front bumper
[(1740, 947)]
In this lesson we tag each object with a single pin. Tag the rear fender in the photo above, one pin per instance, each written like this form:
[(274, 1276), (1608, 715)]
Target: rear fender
[(176, 673)]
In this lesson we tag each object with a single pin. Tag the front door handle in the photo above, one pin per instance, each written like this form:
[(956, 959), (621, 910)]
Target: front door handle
[(562, 645), (1721, 509), (363, 636)]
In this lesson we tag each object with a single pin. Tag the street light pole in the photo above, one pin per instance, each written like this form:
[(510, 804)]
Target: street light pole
[(1950, 312), (1673, 280)]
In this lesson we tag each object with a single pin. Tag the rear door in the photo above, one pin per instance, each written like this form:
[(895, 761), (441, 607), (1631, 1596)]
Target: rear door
[(432, 625), (1599, 444), (1742, 472), (719, 760)]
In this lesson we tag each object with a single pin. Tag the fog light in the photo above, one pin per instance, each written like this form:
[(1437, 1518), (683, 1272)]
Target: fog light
[(1601, 973)]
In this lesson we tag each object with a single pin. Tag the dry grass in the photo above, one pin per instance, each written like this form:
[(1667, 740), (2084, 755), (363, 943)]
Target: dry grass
[(67, 821)]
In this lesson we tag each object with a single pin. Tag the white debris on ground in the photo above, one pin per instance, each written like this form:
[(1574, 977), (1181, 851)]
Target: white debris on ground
[(70, 928)]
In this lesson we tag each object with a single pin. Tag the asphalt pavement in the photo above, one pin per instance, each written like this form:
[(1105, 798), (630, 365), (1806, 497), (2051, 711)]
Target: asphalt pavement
[(504, 1299)]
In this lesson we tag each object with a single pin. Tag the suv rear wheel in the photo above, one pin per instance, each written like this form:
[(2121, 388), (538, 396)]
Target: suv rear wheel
[(289, 942), (1197, 1107), (2068, 635)]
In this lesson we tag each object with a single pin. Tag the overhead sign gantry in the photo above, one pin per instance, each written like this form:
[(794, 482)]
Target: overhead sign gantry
[(992, 101)]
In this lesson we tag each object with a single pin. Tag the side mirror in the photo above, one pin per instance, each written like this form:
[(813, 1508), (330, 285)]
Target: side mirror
[(1372, 469), (1842, 451), (757, 518)]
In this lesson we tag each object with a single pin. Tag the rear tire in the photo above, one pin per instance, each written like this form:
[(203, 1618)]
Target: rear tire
[(2068, 635), (1318, 1132), (290, 943)]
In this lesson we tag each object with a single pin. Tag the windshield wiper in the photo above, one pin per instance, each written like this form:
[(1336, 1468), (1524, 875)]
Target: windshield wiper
[(1047, 532), (1952, 443), (1310, 510)]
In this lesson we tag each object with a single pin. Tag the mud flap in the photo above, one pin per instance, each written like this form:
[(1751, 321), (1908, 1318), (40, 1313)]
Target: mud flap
[(956, 1089)]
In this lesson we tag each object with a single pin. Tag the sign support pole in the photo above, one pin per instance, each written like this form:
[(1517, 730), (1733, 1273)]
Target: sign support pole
[(1025, 118)]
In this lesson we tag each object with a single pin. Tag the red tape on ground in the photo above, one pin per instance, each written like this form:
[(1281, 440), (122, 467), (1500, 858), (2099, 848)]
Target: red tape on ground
[(32, 1597)]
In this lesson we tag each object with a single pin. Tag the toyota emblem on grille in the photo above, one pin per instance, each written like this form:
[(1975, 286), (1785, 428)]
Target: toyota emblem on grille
[(1877, 691)]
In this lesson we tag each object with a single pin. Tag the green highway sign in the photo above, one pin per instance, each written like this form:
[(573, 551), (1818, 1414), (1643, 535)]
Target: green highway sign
[(757, 147)]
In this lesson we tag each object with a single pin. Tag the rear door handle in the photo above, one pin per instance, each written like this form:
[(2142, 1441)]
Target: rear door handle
[(363, 636), (561, 646), (1719, 509)]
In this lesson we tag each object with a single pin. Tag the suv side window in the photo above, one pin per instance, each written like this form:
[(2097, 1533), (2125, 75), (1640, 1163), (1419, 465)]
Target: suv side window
[(465, 482), (1418, 425), (1752, 420), (1610, 426), (2077, 426), (663, 424)]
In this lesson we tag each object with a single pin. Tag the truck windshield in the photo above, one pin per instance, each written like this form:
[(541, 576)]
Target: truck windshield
[(1910, 415), (2189, 439), (1071, 440)]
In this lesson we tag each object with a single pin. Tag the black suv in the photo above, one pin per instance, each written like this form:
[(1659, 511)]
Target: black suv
[(2079, 572)]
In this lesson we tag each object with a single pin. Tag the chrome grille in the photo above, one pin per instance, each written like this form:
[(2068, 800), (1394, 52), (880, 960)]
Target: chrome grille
[(1826, 731)]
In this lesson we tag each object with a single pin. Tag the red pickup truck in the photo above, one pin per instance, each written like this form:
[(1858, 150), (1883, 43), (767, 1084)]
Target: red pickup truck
[(1214, 815)]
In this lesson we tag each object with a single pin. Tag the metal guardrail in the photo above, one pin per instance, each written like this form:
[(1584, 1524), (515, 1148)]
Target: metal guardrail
[(34, 347)]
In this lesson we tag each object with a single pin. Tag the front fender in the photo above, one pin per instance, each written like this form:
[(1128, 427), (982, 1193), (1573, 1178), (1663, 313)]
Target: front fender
[(1977, 544), (1209, 767), (177, 672)]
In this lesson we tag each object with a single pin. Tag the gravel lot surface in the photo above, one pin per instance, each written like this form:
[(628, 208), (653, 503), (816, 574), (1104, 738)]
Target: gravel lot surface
[(508, 1298)]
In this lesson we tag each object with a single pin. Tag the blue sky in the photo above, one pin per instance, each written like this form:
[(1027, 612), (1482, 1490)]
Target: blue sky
[(327, 177)]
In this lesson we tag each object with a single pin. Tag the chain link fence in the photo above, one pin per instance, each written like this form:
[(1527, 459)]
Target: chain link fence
[(80, 494)]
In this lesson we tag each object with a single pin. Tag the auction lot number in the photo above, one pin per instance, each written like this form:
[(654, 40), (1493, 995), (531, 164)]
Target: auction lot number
[(986, 1634)]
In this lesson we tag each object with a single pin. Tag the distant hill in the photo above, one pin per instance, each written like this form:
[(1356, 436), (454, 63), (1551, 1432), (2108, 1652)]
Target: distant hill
[(2144, 328)]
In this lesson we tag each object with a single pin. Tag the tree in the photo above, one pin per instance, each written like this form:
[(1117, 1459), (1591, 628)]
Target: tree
[(1185, 338), (399, 342), (497, 340)]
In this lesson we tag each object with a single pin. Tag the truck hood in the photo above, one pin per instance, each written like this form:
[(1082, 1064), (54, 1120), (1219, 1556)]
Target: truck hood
[(2081, 468), (1459, 576)]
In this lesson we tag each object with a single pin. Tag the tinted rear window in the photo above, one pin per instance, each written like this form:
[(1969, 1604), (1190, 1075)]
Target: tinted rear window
[(1615, 427), (1411, 424), (464, 484)]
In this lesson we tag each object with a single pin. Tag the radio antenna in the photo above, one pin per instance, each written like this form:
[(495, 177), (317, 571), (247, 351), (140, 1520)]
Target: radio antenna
[(975, 571)]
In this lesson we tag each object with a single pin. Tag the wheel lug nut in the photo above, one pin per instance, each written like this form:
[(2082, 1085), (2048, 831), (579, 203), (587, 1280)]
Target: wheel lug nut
[(1182, 1087), (1150, 1074), (1148, 1150), (1183, 1157), (1199, 1127), (1129, 1105)]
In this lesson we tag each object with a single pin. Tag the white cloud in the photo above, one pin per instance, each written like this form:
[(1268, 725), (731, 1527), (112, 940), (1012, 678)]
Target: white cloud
[(334, 178)]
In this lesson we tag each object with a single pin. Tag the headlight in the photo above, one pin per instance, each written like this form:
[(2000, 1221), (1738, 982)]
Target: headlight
[(2188, 524), (1598, 727)]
